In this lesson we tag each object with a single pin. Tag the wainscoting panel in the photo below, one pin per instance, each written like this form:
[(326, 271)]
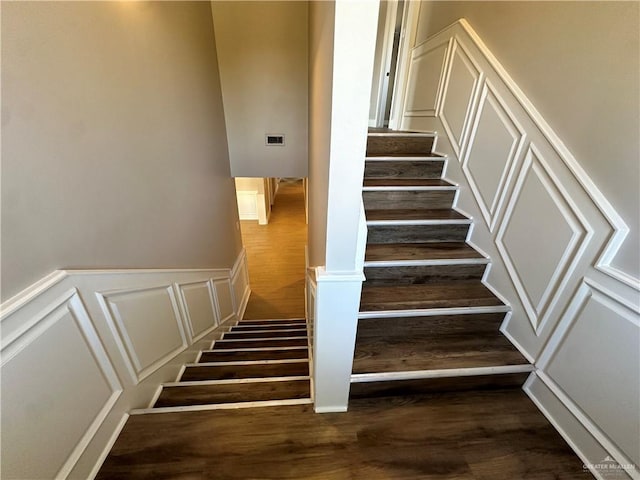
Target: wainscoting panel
[(539, 214), (578, 345), (462, 81), (551, 235), (148, 324), (240, 284), (426, 69), (81, 348), (222, 291), (496, 141), (197, 300), (42, 395)]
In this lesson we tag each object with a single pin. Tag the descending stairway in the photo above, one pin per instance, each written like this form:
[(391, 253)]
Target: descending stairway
[(426, 322), (255, 363)]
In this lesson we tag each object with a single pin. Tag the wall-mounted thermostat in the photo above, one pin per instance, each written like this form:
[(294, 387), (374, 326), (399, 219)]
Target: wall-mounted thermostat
[(274, 139)]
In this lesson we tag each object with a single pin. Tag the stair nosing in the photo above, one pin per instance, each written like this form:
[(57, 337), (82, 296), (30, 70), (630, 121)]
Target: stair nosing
[(270, 331), (440, 373), (428, 312), (408, 158), (452, 221), (221, 406), (227, 381), (426, 262), (402, 134), (410, 188)]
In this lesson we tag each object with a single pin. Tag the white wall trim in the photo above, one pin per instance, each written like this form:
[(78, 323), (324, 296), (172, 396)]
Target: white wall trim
[(538, 163), (22, 298), (564, 415), (240, 284), (618, 224), (410, 17), (81, 297)]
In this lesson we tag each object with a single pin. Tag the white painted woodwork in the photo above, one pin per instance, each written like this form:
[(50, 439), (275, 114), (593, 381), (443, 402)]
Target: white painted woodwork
[(495, 145), (462, 81), (223, 299), (133, 314), (240, 284), (551, 236), (611, 400), (539, 214), (425, 72), (55, 378), (81, 348), (199, 308), (337, 303)]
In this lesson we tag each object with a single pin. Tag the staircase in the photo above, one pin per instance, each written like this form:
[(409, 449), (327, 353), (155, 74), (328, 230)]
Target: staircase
[(255, 363), (426, 322)]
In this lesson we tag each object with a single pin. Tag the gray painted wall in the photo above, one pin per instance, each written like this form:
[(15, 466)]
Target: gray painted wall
[(114, 151), (579, 63), (263, 52)]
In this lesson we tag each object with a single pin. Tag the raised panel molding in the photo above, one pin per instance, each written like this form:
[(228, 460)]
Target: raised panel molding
[(537, 226), (577, 344), (496, 136), (223, 294), (540, 193), (424, 88), (68, 379), (148, 326), (40, 386), (199, 308), (461, 86), (240, 284)]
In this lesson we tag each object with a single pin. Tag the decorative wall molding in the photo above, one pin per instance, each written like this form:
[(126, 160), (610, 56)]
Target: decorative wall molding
[(157, 308), (536, 169), (240, 284), (459, 93), (198, 306), (118, 334), (489, 146), (426, 68), (551, 235)]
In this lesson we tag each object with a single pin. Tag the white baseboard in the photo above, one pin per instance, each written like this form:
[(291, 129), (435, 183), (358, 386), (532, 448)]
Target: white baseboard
[(576, 434)]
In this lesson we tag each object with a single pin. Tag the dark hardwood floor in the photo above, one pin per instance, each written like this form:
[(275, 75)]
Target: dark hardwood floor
[(487, 435)]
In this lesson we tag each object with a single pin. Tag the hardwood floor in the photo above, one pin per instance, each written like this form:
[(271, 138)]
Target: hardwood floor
[(275, 254), (483, 435)]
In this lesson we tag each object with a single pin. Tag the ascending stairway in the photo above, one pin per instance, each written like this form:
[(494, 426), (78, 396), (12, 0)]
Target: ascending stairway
[(426, 322), (255, 363)]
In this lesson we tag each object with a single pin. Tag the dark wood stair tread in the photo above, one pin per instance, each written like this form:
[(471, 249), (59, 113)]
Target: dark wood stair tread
[(227, 372), (406, 182), (420, 251), (406, 214), (433, 343), (235, 334), (226, 356), (175, 396), (260, 343), (272, 321), (399, 156), (426, 296), (261, 328), (403, 388)]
